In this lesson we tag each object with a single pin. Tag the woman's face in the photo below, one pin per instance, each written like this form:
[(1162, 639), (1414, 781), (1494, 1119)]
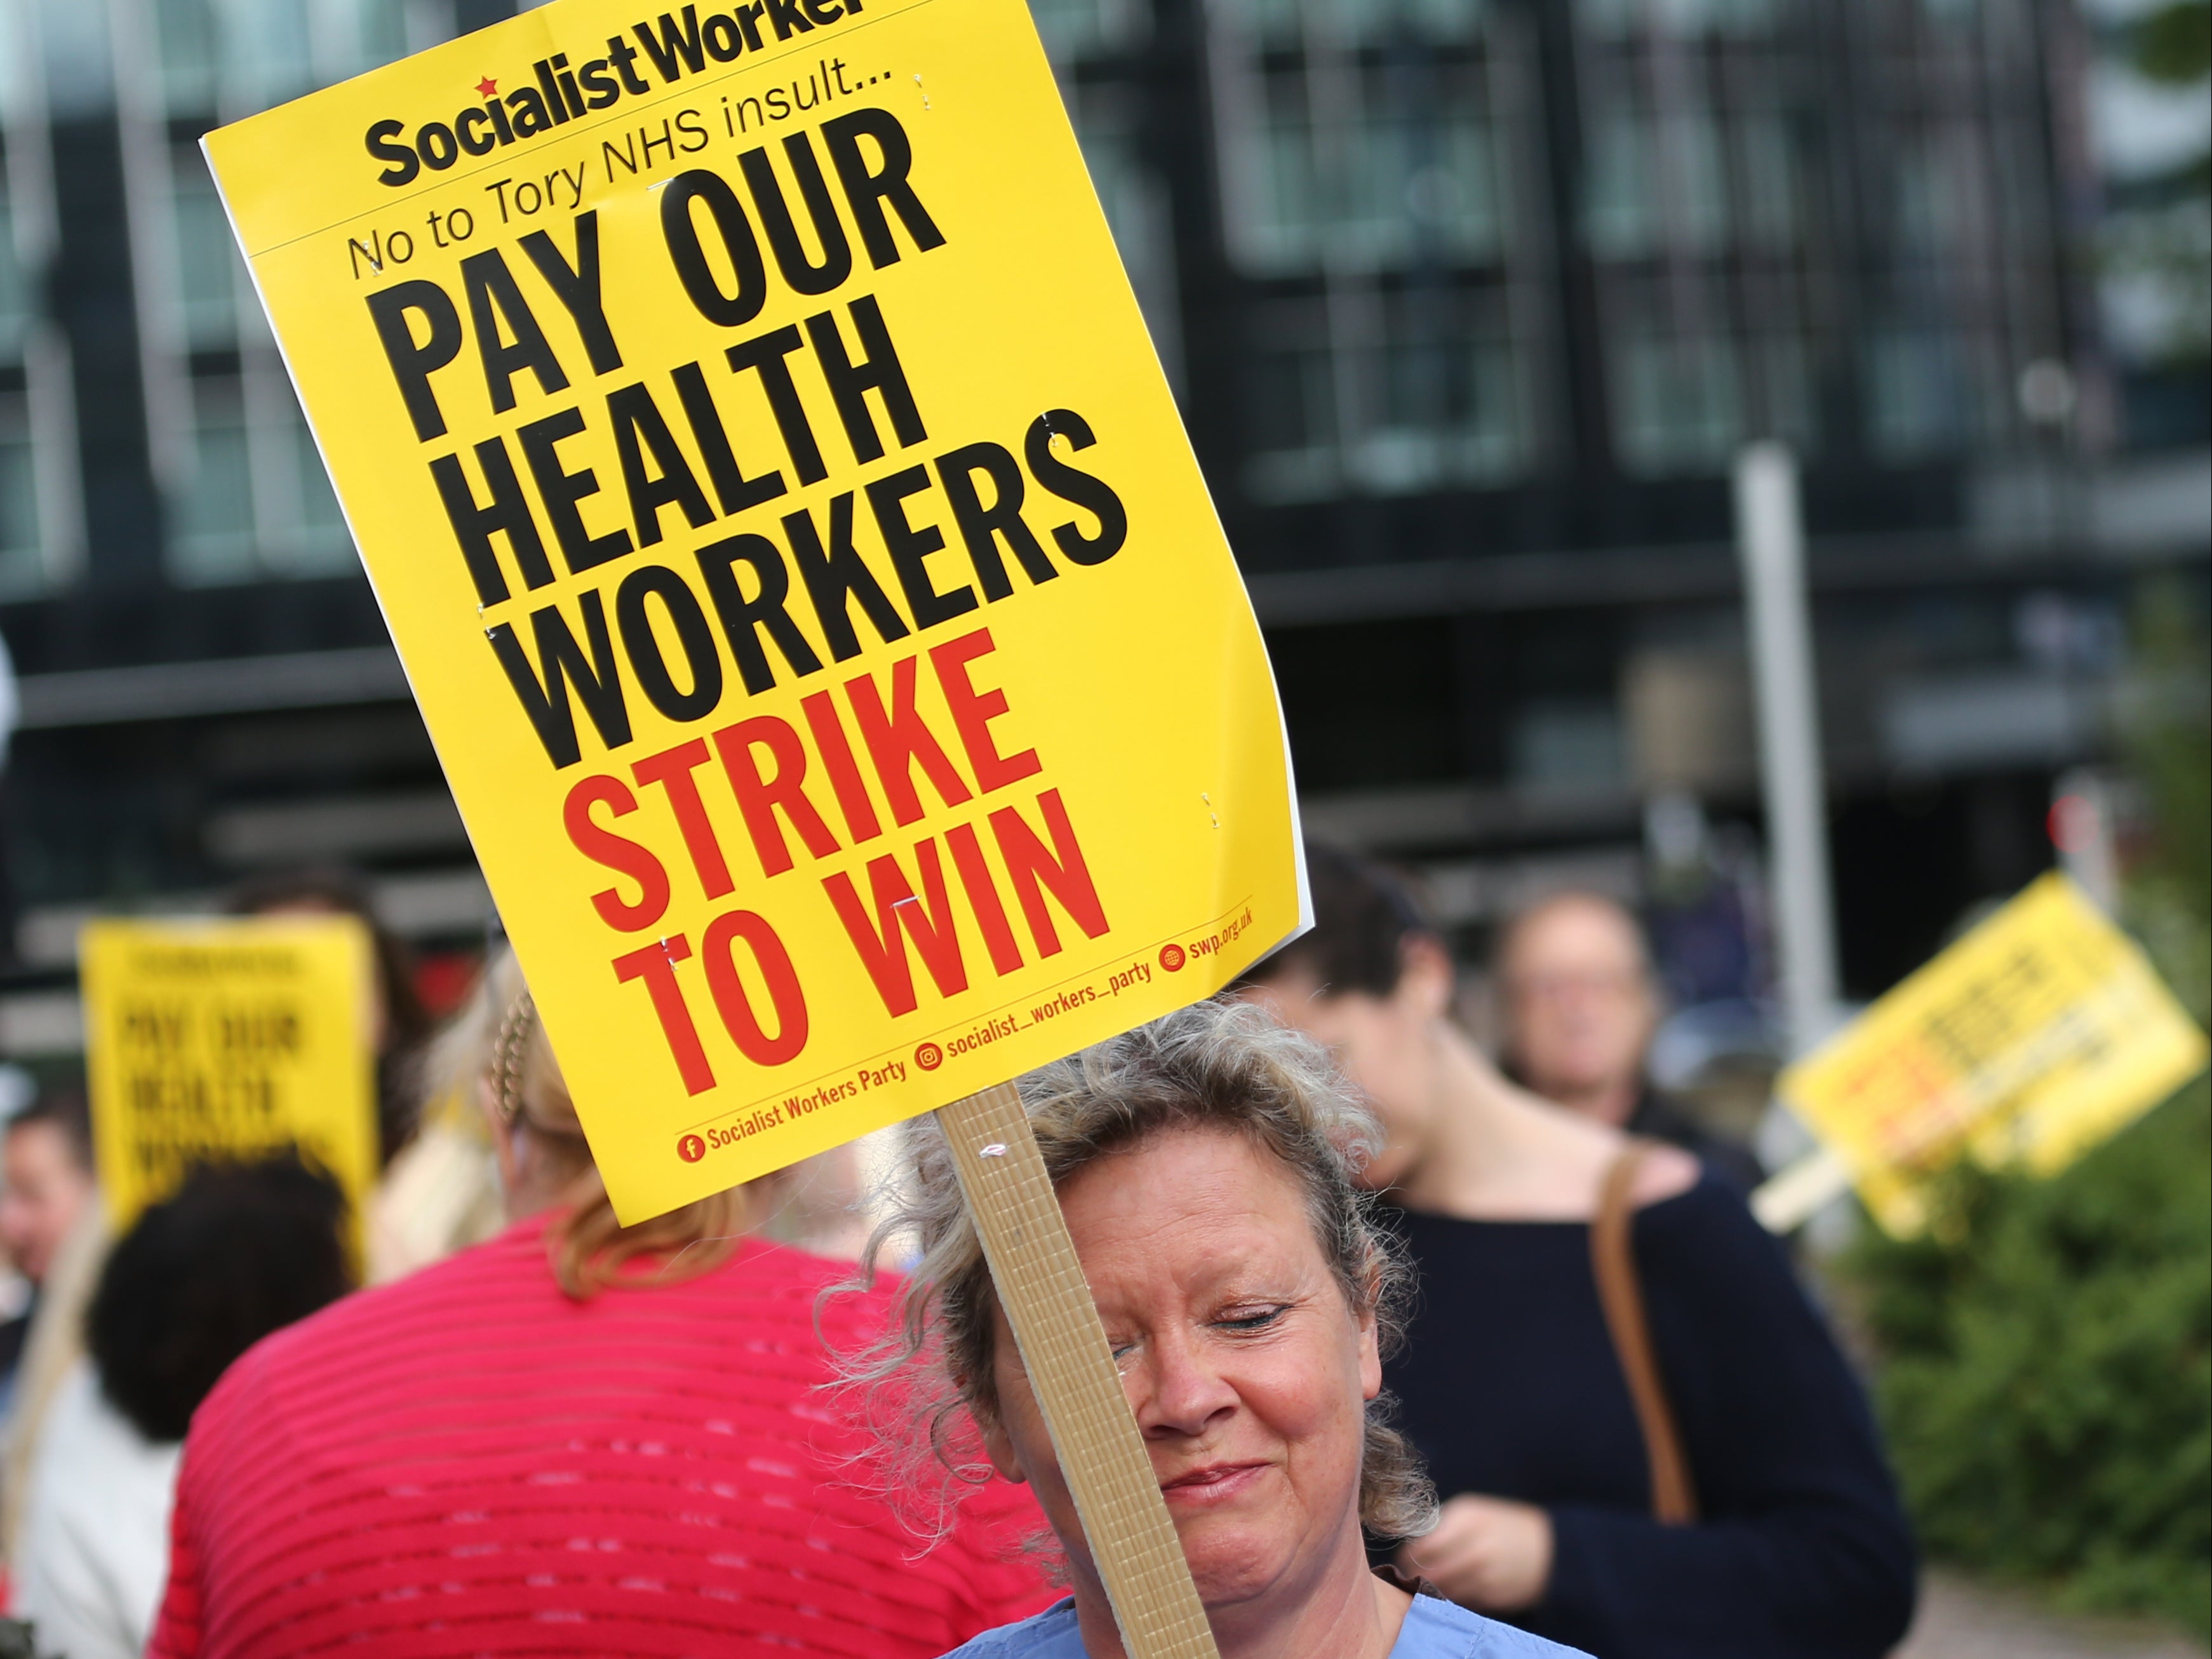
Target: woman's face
[(1248, 1369)]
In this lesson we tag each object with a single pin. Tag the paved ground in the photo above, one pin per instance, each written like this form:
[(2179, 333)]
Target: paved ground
[(1959, 1620)]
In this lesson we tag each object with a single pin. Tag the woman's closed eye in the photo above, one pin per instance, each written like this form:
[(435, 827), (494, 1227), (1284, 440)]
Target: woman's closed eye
[(1238, 1322), (1251, 1320)]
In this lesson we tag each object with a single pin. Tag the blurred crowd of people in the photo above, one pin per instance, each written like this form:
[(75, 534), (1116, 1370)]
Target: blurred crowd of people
[(1433, 1354)]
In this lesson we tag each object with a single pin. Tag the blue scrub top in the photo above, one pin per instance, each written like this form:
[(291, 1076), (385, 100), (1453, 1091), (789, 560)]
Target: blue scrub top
[(1433, 1630)]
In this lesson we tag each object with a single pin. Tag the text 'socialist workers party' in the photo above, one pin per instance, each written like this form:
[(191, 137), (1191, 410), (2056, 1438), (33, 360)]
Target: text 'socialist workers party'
[(789, 536)]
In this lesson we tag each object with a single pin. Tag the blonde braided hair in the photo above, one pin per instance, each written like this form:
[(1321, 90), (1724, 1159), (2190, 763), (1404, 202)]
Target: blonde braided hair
[(497, 1044)]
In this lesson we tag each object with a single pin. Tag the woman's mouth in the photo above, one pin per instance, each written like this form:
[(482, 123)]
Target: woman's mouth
[(1212, 1483)]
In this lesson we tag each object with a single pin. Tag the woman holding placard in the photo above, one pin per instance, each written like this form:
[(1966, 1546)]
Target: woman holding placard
[(576, 1438), (1647, 1442), (1205, 1165)]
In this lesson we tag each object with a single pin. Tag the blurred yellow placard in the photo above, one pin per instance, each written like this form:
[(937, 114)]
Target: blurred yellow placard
[(2037, 1035), (225, 1040), (792, 544)]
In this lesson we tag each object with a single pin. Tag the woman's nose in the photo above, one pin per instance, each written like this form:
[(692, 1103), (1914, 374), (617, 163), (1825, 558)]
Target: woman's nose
[(1178, 1390)]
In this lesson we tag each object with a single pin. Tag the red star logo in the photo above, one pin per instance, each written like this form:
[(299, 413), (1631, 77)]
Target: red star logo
[(487, 87)]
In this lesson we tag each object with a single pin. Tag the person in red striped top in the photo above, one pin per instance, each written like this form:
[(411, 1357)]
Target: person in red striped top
[(577, 1439)]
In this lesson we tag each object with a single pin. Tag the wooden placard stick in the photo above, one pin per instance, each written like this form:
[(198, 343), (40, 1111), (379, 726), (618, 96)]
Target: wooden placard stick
[(1048, 1302)]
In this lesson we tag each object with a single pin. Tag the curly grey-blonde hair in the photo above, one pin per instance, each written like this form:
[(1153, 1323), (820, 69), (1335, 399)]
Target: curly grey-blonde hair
[(1220, 1065)]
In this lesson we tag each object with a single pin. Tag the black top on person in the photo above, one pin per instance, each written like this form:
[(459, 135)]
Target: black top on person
[(1508, 1383), (1512, 1389)]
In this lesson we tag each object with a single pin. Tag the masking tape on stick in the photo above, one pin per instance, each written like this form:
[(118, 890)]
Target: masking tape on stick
[(1048, 1301)]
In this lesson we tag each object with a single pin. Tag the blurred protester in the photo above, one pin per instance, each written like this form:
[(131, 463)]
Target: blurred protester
[(439, 1193), (238, 1251), (400, 1023), (577, 1439), (1648, 1444), (46, 1182), (55, 1231), (1206, 1164), (822, 1205), (1582, 1005)]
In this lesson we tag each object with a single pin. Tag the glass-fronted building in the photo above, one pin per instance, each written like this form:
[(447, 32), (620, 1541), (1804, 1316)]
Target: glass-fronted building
[(1468, 304)]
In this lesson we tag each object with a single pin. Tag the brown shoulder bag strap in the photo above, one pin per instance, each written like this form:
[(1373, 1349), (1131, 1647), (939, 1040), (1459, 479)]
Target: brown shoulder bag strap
[(1621, 1293)]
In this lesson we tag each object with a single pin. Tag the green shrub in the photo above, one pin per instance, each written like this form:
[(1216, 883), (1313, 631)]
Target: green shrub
[(2047, 1378), (2045, 1354)]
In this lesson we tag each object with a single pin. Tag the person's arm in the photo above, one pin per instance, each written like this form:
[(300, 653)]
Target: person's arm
[(1801, 1548)]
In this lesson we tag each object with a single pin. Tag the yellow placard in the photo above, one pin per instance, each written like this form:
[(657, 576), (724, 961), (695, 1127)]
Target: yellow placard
[(791, 540), (225, 1039), (2040, 1033)]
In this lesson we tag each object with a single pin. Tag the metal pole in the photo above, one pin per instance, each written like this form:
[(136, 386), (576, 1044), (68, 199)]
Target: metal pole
[(1771, 543)]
